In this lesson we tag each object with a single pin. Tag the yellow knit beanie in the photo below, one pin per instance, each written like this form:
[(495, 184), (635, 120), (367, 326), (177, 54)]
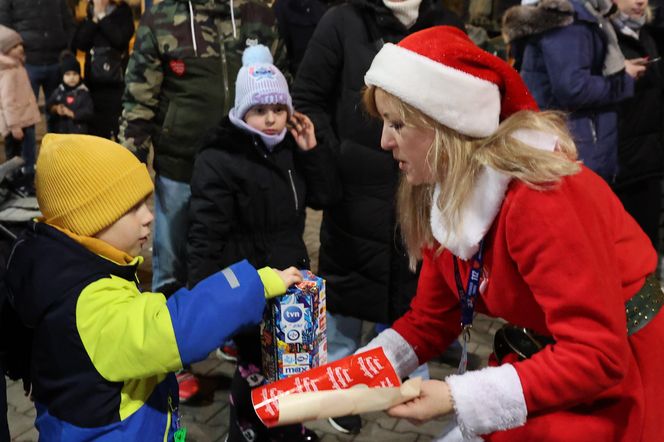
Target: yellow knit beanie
[(86, 183)]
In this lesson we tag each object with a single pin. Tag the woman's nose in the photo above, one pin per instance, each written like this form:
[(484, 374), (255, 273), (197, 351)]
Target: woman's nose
[(386, 139)]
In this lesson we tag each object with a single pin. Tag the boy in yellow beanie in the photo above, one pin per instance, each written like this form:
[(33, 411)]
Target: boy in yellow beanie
[(103, 352)]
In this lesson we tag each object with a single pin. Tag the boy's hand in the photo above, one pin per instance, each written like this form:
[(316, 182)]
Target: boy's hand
[(289, 276), (302, 130), (67, 112), (17, 134), (276, 282)]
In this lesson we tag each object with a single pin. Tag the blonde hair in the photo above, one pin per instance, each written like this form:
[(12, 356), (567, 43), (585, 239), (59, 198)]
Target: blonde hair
[(456, 160)]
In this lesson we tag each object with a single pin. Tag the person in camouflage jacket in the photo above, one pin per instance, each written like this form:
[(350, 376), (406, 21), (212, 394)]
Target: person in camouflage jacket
[(179, 85)]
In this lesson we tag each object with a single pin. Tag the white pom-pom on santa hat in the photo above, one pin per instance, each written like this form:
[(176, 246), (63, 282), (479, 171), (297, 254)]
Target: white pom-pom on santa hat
[(441, 72)]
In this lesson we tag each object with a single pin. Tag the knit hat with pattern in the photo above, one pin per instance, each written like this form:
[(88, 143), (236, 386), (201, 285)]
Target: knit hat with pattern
[(259, 82), (86, 183)]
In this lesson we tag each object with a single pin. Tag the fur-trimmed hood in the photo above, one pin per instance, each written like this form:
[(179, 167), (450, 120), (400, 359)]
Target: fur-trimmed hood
[(527, 20)]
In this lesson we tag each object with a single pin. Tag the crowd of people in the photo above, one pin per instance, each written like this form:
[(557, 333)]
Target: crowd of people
[(533, 173)]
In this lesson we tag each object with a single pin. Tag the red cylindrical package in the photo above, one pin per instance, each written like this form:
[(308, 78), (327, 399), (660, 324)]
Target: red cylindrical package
[(368, 369)]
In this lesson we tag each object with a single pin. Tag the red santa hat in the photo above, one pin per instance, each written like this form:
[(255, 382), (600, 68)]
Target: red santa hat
[(441, 72)]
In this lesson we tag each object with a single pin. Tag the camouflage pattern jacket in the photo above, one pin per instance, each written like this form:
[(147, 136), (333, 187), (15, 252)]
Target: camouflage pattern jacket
[(180, 79)]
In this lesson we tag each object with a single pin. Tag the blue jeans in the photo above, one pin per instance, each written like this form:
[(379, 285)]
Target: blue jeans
[(344, 335), (24, 148), (46, 77), (169, 248)]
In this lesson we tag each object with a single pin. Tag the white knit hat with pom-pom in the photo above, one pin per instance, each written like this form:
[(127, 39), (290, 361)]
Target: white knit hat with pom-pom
[(259, 82)]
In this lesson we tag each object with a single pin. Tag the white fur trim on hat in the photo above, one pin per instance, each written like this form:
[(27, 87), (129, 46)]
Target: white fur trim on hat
[(456, 99), (488, 400)]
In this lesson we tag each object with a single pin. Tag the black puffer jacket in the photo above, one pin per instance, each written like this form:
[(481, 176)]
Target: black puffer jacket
[(360, 256), (641, 118), (46, 27), (248, 203)]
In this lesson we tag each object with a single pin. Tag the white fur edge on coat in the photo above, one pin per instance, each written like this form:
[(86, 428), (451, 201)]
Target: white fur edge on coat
[(398, 351), (484, 202), (488, 400)]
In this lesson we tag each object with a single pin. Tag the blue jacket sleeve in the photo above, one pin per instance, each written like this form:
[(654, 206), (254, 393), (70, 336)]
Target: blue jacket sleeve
[(569, 54), (214, 309)]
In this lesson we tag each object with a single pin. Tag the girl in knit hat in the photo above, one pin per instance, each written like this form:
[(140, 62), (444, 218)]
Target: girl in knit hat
[(103, 353), (509, 224), (252, 180), (18, 107)]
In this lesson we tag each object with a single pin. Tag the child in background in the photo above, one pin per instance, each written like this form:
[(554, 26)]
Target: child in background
[(251, 182), (70, 103), (18, 107), (103, 352)]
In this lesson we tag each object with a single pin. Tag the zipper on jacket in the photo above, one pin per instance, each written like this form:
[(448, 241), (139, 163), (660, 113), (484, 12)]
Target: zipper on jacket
[(224, 74), (593, 132), (292, 183), (169, 417)]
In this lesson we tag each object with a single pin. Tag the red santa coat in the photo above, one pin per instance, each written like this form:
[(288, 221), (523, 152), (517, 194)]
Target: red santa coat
[(561, 262)]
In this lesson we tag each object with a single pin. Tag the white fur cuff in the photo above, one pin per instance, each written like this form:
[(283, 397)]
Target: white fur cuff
[(399, 352), (488, 400)]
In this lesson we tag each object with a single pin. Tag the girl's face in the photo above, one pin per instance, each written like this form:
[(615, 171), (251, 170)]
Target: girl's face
[(409, 145), (270, 119), (17, 53), (633, 8)]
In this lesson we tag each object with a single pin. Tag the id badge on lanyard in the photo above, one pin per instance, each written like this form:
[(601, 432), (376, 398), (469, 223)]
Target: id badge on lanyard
[(467, 299)]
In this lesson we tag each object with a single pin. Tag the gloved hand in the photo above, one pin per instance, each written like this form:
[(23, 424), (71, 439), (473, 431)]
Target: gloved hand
[(276, 282)]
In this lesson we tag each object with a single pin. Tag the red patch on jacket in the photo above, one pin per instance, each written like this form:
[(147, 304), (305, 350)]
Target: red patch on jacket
[(178, 67), (70, 100)]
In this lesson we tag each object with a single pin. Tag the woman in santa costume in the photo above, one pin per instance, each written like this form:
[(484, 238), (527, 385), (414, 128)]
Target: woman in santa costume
[(509, 224)]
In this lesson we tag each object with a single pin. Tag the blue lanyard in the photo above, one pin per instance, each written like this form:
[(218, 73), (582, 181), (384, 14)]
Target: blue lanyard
[(467, 299)]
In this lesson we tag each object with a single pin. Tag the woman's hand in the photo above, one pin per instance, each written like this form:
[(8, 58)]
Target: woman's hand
[(289, 276), (435, 400), (636, 67), (302, 130)]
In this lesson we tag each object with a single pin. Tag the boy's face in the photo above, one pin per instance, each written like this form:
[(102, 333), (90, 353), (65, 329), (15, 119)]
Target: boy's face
[(17, 53), (270, 119), (71, 78), (130, 233)]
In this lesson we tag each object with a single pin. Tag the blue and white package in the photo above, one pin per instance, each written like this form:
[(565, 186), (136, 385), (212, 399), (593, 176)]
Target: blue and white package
[(293, 329)]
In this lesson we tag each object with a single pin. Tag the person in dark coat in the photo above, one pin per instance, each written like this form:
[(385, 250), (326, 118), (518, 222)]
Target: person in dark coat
[(568, 55), (296, 22), (640, 121), (361, 257), (46, 28), (70, 103), (250, 185), (104, 37)]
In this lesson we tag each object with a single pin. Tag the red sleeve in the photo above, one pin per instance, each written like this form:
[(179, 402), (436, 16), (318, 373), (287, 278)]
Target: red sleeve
[(564, 253), (433, 320)]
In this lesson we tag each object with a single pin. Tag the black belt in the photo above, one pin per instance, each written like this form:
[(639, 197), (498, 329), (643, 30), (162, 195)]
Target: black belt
[(644, 305), (640, 309)]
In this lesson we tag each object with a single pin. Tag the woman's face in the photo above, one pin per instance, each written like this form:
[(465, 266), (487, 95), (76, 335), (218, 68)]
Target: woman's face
[(409, 145), (632, 8)]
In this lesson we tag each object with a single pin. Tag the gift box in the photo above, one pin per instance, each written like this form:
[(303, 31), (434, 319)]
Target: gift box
[(293, 334)]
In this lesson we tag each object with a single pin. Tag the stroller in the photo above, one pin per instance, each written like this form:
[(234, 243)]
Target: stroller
[(17, 209)]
